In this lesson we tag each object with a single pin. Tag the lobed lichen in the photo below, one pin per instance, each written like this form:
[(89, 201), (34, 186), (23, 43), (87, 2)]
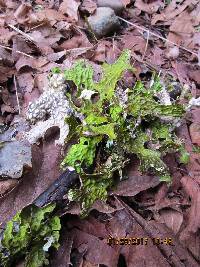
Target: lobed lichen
[(114, 126), (29, 235)]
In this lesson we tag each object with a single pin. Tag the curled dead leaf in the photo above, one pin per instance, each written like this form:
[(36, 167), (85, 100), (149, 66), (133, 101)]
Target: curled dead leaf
[(70, 7), (149, 8)]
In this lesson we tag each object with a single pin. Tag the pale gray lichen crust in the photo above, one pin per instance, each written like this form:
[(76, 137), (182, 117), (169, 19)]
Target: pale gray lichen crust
[(50, 110)]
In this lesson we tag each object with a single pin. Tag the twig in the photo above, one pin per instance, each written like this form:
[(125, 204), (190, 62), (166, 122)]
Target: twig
[(35, 27), (20, 52), (17, 95), (157, 35), (145, 49), (79, 48), (17, 51), (22, 33)]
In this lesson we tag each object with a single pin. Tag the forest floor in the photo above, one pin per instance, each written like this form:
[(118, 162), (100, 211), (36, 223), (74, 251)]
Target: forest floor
[(164, 37)]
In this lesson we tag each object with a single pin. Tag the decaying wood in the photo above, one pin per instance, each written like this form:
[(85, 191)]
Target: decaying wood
[(58, 189)]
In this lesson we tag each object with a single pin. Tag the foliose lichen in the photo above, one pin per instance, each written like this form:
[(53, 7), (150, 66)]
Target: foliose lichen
[(115, 125), (29, 235)]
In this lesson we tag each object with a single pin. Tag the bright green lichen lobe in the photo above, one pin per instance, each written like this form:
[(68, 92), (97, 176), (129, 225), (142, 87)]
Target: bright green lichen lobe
[(114, 126), (81, 74), (29, 235)]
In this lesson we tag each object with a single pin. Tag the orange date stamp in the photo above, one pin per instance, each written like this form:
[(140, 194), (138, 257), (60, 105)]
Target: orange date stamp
[(139, 241)]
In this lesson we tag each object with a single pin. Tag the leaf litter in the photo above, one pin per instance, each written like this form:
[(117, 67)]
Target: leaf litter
[(57, 27)]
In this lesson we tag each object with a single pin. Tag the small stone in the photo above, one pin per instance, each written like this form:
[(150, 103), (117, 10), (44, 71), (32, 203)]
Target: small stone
[(116, 5), (14, 156), (103, 22), (195, 133)]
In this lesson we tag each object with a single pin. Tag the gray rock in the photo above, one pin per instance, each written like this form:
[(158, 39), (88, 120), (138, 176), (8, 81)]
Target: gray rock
[(103, 22), (116, 5), (14, 156)]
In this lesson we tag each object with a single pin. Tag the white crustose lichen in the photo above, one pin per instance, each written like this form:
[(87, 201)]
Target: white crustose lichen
[(50, 110)]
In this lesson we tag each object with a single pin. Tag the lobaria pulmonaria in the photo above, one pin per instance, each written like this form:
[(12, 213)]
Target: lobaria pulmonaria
[(113, 124)]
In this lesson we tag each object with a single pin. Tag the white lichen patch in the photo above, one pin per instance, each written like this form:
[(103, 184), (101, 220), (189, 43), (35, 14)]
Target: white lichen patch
[(50, 110), (194, 102), (87, 94)]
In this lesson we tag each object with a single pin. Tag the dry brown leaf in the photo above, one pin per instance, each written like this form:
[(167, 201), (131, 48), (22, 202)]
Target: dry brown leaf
[(89, 264), (6, 57), (181, 70), (6, 108), (34, 63), (5, 73), (20, 44), (45, 161), (88, 6), (195, 133), (11, 4), (91, 226), (25, 62), (46, 15), (22, 13), (182, 30), (70, 7), (195, 115), (61, 257), (172, 218), (172, 10), (105, 208), (192, 188), (153, 229), (46, 39), (134, 42), (195, 76), (193, 167), (76, 41), (157, 57), (149, 8), (193, 244), (100, 52), (126, 2), (135, 184), (89, 243), (41, 81), (6, 35), (56, 56), (25, 82)]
